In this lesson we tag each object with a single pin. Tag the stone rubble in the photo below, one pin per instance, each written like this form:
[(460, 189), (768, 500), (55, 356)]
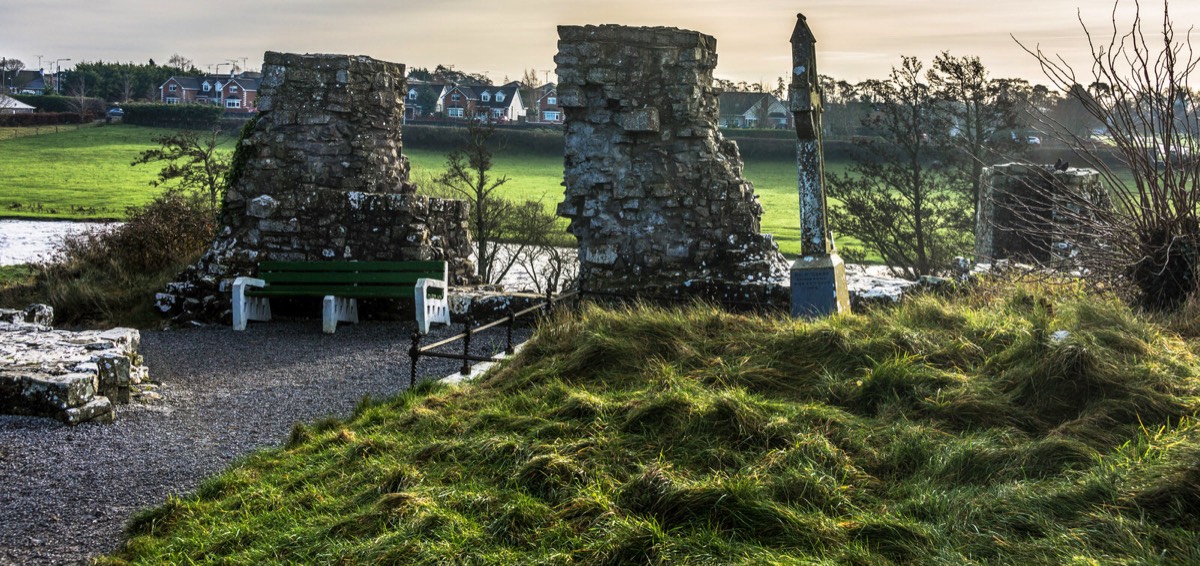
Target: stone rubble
[(72, 376)]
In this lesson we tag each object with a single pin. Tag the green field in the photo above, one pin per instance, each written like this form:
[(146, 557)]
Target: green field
[(86, 174), (80, 173), (539, 177)]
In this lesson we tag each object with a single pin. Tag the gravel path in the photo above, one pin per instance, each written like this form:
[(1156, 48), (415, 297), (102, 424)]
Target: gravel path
[(66, 492)]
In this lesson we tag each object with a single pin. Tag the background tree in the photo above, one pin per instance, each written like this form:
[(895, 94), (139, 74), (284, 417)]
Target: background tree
[(191, 164), (979, 117), (895, 199), (508, 235), (762, 113), (1149, 240), (469, 176), (8, 72), (80, 103), (180, 62)]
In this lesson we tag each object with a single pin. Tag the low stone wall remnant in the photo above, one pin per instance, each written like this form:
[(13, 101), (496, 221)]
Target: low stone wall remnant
[(71, 376), (1020, 205), (654, 192)]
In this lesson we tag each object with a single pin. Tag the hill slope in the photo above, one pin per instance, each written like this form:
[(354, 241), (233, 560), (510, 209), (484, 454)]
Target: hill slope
[(938, 432)]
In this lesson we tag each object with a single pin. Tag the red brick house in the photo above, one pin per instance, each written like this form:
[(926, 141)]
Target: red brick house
[(235, 93), (498, 103), (545, 107)]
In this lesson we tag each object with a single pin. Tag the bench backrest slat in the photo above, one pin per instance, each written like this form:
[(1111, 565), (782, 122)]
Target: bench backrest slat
[(353, 266), (369, 278), (345, 291)]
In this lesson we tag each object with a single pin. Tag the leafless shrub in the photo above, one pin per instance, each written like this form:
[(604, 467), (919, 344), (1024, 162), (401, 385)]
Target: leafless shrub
[(1148, 241)]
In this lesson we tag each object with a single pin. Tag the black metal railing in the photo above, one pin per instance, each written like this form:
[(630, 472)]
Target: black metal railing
[(416, 351)]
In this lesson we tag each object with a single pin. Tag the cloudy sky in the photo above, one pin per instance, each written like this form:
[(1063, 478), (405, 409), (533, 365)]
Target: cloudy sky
[(857, 39)]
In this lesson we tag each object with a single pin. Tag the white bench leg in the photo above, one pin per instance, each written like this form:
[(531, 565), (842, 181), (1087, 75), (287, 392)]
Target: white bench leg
[(337, 309), (248, 308), (430, 309)]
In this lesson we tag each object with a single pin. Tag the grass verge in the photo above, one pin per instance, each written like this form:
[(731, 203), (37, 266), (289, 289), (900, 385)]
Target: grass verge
[(940, 431)]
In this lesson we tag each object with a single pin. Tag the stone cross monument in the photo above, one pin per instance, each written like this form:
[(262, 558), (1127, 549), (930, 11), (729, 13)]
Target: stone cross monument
[(819, 275)]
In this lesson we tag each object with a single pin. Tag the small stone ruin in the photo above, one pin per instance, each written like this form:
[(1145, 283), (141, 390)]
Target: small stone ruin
[(654, 192), (1020, 206), (320, 176), (72, 376)]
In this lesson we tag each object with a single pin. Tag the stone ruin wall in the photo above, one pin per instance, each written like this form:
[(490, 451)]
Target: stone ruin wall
[(1013, 196), (654, 192), (321, 176), (72, 376)]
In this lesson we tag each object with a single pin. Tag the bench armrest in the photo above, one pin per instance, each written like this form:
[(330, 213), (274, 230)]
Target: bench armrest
[(430, 309), (249, 282), (248, 308)]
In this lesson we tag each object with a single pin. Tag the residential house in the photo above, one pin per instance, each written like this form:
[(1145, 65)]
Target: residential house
[(236, 93), (423, 98), (752, 110), (10, 105), (482, 102), (30, 82), (545, 109)]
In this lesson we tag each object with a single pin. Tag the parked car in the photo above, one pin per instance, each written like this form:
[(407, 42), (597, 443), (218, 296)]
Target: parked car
[(116, 113), (1033, 140)]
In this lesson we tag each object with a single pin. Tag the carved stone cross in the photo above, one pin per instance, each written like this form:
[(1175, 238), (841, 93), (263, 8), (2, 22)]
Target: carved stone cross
[(818, 276)]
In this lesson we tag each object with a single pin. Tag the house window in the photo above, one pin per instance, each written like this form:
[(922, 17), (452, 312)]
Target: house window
[(233, 89), (171, 87), (550, 116), (207, 87), (552, 100), (233, 103), (456, 97), (172, 100), (412, 94), (497, 112), (499, 97), (455, 112), (486, 97)]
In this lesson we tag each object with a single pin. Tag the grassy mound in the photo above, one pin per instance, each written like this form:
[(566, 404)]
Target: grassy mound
[(1012, 427)]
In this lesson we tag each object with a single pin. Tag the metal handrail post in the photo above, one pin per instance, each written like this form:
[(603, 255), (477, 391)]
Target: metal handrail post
[(414, 352), (512, 319), (466, 365)]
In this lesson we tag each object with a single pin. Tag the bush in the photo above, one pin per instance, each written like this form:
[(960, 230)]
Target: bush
[(110, 276), (55, 103), (38, 119), (449, 138), (186, 116)]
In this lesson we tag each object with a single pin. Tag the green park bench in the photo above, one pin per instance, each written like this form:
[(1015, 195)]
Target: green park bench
[(341, 284)]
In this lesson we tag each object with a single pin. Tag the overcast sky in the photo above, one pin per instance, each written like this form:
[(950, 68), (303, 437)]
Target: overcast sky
[(856, 39)]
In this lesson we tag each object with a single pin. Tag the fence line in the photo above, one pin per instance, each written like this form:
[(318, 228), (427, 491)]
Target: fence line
[(416, 350)]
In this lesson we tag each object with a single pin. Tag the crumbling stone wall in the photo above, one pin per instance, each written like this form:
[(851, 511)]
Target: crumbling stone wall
[(321, 176), (654, 192), (1020, 205), (72, 376)]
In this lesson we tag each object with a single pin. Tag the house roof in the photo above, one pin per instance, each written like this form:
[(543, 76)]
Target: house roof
[(475, 93), (10, 103), (247, 81), (738, 103), (27, 79)]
